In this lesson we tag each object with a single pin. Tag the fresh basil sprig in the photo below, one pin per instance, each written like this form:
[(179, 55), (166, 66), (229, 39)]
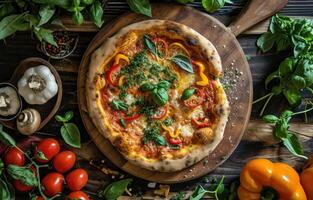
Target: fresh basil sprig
[(158, 91), (115, 189), (69, 131), (282, 132), (96, 13), (215, 190), (140, 6), (285, 33), (183, 62), (24, 174)]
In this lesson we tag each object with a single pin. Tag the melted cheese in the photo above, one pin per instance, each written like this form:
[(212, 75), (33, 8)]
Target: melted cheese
[(186, 130)]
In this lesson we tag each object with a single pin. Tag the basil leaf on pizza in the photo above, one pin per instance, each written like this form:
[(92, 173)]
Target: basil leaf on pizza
[(141, 99), (183, 62)]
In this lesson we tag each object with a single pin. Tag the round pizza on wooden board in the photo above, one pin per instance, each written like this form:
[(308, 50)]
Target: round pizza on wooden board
[(153, 91)]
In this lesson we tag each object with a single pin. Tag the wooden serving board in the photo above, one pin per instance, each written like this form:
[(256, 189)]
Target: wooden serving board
[(235, 67)]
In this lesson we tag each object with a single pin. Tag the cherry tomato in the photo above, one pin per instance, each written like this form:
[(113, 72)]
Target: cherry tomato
[(19, 186), (77, 179), (53, 183), (161, 112), (49, 147), (14, 156), (78, 195), (64, 161), (39, 198)]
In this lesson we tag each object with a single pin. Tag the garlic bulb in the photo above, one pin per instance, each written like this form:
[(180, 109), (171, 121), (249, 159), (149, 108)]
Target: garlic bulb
[(28, 121), (38, 85), (9, 101)]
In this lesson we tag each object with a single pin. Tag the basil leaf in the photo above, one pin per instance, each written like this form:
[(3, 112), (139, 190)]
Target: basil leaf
[(78, 18), (150, 45), (179, 196), (159, 96), (156, 138), (6, 9), (293, 97), (183, 62), (60, 3), (198, 193), (71, 135), (87, 2), (119, 105), (270, 118), (188, 93), (140, 6), (45, 34), (46, 12), (115, 189), (147, 87), (24, 174), (297, 82), (164, 84), (286, 67), (122, 122), (6, 138), (266, 41), (271, 77), (213, 5), (9, 25), (96, 13), (68, 115), (294, 145), (168, 121)]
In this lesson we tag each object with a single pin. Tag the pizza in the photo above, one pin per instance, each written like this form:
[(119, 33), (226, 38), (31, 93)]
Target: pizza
[(153, 91)]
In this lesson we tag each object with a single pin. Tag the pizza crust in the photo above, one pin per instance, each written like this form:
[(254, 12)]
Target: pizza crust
[(108, 49)]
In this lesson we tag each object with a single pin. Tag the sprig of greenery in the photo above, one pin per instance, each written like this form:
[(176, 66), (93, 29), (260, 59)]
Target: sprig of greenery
[(115, 189), (295, 73), (35, 15), (282, 132), (69, 131)]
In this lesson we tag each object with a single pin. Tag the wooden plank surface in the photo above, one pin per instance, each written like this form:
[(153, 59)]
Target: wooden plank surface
[(256, 139)]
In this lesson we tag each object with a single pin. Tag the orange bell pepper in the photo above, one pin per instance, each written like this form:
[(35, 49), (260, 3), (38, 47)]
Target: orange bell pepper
[(306, 178), (259, 173)]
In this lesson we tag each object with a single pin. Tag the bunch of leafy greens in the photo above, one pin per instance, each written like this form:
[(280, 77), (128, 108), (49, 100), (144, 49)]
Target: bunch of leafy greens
[(282, 132), (69, 131), (37, 15), (293, 76), (144, 7)]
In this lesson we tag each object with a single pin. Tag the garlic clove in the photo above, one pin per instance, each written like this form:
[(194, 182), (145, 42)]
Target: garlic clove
[(28, 121)]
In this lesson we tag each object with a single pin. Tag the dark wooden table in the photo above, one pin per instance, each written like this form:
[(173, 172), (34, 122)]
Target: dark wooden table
[(257, 141)]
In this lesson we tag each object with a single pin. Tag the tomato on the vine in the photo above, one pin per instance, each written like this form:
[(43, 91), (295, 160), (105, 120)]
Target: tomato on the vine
[(52, 183), (13, 156), (19, 186), (78, 195), (49, 147), (39, 198), (64, 161), (77, 179)]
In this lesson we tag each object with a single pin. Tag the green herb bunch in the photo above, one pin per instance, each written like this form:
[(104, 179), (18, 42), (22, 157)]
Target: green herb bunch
[(38, 15), (293, 76)]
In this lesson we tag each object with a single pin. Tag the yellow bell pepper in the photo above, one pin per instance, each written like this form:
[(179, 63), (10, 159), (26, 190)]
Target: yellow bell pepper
[(306, 178), (204, 79), (121, 80), (180, 46), (259, 173), (171, 132), (120, 56)]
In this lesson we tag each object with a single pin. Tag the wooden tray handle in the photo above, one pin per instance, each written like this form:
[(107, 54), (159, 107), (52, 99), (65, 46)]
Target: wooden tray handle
[(255, 12)]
